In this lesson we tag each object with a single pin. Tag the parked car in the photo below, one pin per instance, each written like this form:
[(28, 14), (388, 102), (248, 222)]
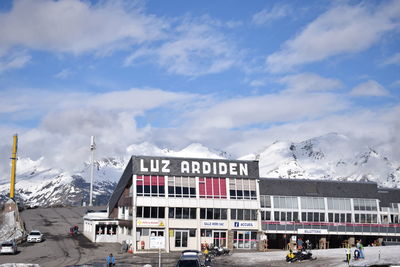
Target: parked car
[(35, 236), (190, 258), (8, 247)]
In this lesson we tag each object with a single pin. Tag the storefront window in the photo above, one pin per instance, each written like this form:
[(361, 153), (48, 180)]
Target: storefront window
[(181, 238)]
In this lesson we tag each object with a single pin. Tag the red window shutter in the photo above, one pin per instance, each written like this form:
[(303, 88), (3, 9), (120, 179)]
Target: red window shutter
[(222, 184), (146, 180), (161, 180), (209, 187), (202, 187), (153, 180), (216, 187), (139, 180)]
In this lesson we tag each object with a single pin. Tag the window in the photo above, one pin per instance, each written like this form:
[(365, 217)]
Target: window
[(179, 186), (365, 204), (283, 202), (244, 214), (213, 214), (265, 215), (240, 188), (181, 238), (316, 203), (265, 201), (150, 185), (206, 232), (150, 212), (182, 213), (212, 187), (339, 204)]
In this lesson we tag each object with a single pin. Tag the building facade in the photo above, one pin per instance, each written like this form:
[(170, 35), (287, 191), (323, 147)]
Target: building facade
[(184, 203)]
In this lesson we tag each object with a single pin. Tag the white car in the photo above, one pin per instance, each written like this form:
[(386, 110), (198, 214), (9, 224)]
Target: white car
[(35, 236), (8, 247)]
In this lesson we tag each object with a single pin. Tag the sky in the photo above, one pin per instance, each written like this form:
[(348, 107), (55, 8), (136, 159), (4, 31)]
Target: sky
[(231, 75)]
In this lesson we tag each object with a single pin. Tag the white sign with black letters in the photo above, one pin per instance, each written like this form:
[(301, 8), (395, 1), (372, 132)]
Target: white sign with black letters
[(244, 224)]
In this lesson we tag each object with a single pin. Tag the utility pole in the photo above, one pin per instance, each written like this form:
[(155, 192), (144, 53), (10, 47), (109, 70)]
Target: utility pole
[(13, 166), (92, 148)]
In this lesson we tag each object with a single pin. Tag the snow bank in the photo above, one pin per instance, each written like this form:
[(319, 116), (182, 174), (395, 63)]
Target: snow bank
[(330, 257), (10, 228)]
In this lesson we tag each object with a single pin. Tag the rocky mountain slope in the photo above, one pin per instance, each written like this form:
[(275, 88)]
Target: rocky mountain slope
[(331, 156)]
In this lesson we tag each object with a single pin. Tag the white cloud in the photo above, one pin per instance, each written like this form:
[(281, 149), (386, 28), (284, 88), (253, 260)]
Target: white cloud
[(66, 120), (13, 60), (396, 84), (271, 108), (64, 74), (304, 82), (369, 88), (380, 127), (193, 48), (342, 29), (266, 16), (393, 60), (74, 26), (257, 83)]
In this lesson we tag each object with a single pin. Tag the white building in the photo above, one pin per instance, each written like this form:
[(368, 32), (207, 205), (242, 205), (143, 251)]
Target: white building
[(185, 203)]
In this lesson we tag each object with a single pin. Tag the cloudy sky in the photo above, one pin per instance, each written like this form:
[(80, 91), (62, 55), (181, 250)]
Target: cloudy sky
[(231, 75)]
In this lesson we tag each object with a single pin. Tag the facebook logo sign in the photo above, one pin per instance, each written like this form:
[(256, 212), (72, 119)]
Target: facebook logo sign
[(236, 224)]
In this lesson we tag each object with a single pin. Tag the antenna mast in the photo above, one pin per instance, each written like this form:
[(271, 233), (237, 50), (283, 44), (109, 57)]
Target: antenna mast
[(13, 166), (92, 148)]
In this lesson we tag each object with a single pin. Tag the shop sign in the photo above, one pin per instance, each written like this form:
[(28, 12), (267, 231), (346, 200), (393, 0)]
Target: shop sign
[(211, 224), (150, 222), (312, 231), (157, 242), (244, 224), (144, 165)]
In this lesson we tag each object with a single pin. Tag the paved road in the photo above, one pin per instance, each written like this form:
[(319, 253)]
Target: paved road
[(59, 249)]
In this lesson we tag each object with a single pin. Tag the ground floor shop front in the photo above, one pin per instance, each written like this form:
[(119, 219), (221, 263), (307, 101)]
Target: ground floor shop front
[(177, 239)]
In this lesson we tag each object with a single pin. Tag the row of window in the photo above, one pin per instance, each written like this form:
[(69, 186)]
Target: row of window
[(239, 188), (190, 213), (213, 214), (365, 204), (243, 214), (317, 203), (150, 212), (365, 218), (320, 217), (182, 213)]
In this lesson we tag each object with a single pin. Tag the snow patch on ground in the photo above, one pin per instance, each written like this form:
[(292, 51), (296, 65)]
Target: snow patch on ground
[(9, 229), (327, 257)]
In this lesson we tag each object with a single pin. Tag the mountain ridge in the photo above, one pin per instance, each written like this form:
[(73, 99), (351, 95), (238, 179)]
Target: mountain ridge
[(329, 157)]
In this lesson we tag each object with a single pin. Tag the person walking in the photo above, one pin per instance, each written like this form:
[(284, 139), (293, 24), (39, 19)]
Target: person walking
[(360, 248), (110, 260)]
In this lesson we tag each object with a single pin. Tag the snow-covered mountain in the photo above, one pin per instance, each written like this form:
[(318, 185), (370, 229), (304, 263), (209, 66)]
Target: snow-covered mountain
[(331, 156), (38, 185)]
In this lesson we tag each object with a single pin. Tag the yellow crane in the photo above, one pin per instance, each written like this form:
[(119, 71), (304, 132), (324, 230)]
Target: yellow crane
[(13, 166)]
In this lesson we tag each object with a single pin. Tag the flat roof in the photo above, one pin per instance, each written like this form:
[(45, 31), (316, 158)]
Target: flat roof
[(329, 188)]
